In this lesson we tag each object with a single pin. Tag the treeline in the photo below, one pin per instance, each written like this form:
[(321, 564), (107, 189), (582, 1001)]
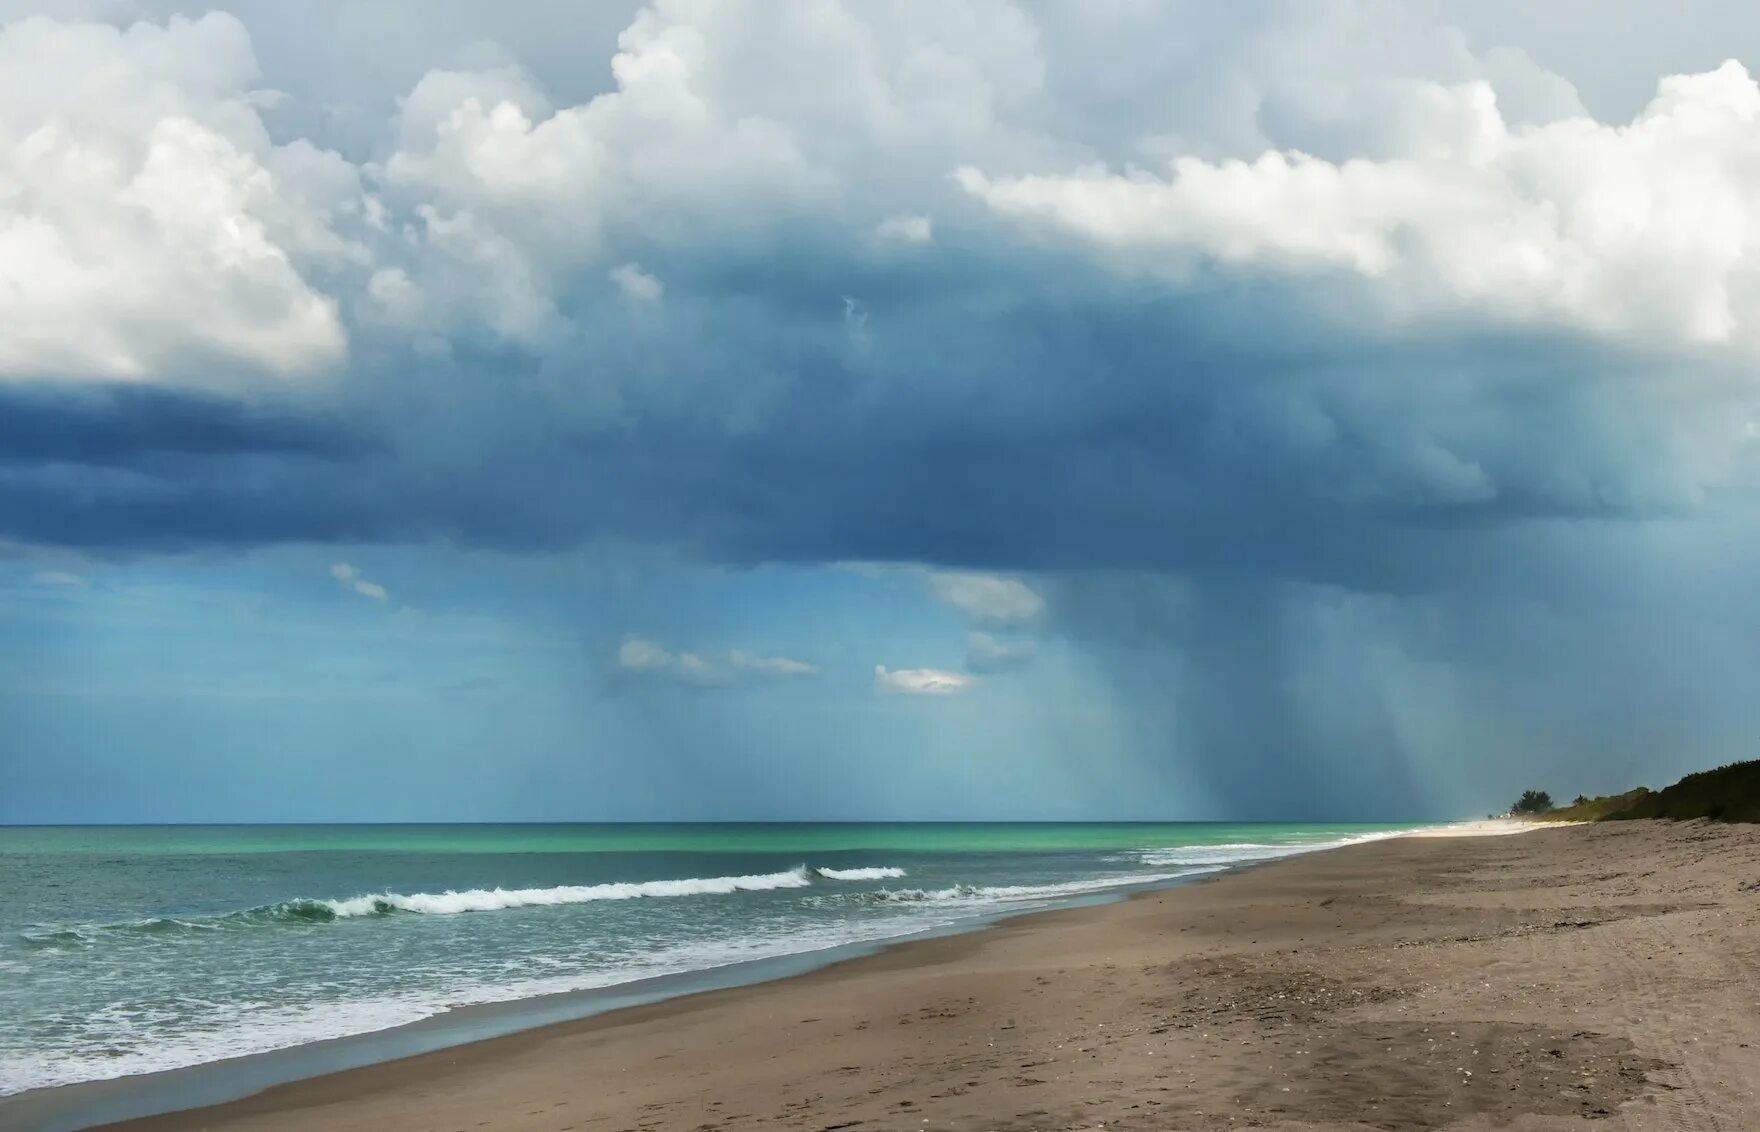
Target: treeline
[(1728, 793)]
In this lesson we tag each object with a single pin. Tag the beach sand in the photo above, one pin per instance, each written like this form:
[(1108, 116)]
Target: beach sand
[(1608, 971)]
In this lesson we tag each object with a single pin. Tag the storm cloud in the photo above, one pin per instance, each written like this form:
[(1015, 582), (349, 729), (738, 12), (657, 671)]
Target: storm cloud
[(654, 288), (1281, 361)]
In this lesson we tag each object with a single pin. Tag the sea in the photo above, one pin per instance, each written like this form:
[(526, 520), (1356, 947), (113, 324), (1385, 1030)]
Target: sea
[(132, 950)]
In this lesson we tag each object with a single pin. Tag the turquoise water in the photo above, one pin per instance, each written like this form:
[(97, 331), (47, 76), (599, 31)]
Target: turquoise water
[(126, 950)]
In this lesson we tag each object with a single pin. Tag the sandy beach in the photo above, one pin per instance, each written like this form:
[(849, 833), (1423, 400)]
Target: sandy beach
[(1609, 972)]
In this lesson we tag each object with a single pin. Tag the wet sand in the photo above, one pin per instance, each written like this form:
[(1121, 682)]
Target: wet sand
[(1609, 972)]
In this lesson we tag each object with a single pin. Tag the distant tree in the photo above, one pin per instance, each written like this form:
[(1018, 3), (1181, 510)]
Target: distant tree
[(1580, 799), (1532, 802)]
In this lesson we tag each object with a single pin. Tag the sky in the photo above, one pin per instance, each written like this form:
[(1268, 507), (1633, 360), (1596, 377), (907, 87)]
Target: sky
[(940, 410)]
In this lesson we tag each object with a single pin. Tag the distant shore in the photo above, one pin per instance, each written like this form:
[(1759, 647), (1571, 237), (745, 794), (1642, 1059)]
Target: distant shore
[(1607, 971)]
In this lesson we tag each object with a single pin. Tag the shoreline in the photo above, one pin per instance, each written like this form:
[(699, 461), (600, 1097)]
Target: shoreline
[(561, 1061), (118, 1102), (108, 1101)]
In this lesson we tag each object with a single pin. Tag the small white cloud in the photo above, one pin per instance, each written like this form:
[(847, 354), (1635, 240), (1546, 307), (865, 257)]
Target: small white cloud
[(770, 665), (985, 653), (696, 669), (351, 578), (906, 229), (988, 599), (920, 681), (855, 319), (638, 656), (637, 284), (63, 579)]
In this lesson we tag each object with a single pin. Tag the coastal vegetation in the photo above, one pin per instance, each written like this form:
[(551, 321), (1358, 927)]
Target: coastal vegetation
[(1532, 802), (1728, 793)]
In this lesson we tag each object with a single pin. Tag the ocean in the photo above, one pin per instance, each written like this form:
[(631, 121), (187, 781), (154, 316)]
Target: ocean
[(129, 950)]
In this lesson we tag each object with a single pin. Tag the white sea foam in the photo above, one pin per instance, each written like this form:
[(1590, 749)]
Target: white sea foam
[(883, 872), (976, 896), (494, 899), (126, 1041), (1244, 852)]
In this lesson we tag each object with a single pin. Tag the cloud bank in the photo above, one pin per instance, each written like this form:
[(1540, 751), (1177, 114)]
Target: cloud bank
[(1488, 305)]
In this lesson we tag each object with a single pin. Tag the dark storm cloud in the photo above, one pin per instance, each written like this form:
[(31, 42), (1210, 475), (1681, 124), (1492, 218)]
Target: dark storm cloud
[(122, 424), (1023, 416), (125, 467)]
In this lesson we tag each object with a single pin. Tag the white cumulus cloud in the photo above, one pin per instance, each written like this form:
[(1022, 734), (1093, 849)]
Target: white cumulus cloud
[(1648, 230), (148, 227)]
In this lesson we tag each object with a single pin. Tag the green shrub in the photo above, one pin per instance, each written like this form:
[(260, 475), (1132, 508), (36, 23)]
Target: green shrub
[(1532, 802)]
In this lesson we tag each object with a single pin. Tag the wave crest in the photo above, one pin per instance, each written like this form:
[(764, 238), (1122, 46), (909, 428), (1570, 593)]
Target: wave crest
[(447, 903), (999, 894), (1246, 852), (495, 899), (880, 872)]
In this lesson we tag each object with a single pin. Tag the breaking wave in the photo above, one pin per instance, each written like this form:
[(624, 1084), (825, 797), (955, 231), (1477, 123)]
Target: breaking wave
[(435, 904), (883, 872), (495, 899)]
